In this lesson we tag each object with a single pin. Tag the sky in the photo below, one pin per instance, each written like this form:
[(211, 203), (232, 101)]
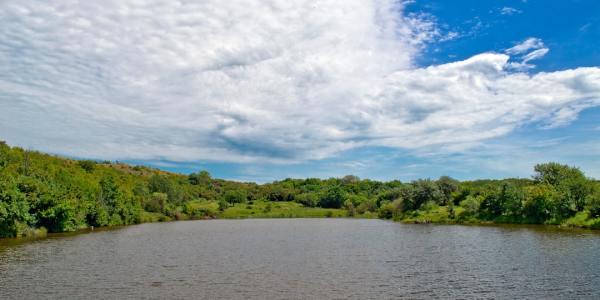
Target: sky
[(262, 90)]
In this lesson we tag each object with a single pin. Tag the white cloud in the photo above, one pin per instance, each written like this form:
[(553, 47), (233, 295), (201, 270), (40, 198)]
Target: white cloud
[(509, 11), (530, 49), (278, 81), (536, 54), (527, 45)]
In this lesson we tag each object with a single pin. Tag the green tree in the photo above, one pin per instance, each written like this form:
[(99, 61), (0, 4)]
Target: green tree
[(425, 190), (14, 210), (447, 186), (159, 184), (554, 173), (235, 196), (471, 204), (110, 195), (308, 199), (4, 150), (223, 205), (593, 203), (512, 198), (334, 197), (200, 178), (538, 202), (570, 184)]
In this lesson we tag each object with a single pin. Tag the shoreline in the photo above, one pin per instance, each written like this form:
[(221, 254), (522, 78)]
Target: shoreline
[(551, 227)]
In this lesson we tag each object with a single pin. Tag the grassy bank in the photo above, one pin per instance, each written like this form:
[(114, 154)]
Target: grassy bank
[(459, 215), (204, 209)]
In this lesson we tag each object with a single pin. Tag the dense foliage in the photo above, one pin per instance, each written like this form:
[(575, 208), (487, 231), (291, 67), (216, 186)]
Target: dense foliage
[(57, 194)]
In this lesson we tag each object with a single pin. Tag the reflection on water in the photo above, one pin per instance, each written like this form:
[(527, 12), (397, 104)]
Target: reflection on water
[(304, 258)]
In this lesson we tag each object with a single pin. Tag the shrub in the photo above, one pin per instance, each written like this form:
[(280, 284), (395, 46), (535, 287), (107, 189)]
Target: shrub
[(471, 204), (223, 205), (367, 206), (333, 198), (235, 196), (156, 203), (308, 199), (87, 165), (389, 210), (593, 204), (268, 208)]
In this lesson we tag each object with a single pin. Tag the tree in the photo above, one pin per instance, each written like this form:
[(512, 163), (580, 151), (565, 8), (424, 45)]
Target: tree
[(200, 178), (570, 184), (159, 184), (4, 149), (223, 205), (308, 199), (281, 193), (471, 204), (350, 179), (425, 190), (491, 206), (333, 198), (554, 173), (109, 195), (389, 210), (156, 203), (14, 210), (538, 202), (235, 196), (512, 198), (593, 203), (58, 212), (447, 186)]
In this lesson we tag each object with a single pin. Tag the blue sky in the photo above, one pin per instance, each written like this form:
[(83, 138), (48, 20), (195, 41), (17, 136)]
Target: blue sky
[(569, 28), (263, 90)]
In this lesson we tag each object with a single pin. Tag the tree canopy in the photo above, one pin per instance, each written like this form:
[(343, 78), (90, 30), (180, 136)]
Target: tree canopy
[(43, 191)]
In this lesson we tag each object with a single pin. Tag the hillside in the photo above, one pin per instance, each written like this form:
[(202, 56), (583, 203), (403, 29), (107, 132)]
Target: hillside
[(41, 192)]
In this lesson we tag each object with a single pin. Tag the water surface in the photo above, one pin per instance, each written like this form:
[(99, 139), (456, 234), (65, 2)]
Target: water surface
[(304, 259)]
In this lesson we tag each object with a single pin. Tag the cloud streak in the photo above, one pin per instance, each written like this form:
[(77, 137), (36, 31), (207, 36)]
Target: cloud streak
[(243, 81)]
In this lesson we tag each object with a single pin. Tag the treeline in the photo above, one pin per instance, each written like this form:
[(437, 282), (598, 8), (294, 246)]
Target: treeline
[(557, 194), (44, 192)]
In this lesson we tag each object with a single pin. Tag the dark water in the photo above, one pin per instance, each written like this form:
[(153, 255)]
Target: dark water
[(304, 259)]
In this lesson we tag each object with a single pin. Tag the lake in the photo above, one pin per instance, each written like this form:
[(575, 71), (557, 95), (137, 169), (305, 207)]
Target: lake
[(304, 259)]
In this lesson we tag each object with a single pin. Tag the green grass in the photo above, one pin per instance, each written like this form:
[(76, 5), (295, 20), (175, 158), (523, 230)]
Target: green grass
[(203, 209), (260, 209), (438, 214), (149, 217), (583, 220)]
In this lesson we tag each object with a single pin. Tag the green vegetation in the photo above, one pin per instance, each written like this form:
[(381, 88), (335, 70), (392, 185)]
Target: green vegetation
[(40, 192)]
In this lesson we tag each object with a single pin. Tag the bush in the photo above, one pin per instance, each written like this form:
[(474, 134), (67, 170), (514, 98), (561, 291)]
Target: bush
[(308, 199), (87, 165), (471, 204), (334, 197), (268, 208), (367, 206), (14, 214), (156, 203), (389, 210), (424, 190), (223, 205), (593, 204), (538, 202), (349, 206), (235, 196)]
